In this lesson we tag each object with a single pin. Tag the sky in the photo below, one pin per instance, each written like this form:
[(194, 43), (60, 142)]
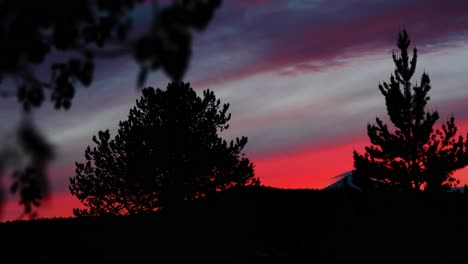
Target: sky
[(301, 78)]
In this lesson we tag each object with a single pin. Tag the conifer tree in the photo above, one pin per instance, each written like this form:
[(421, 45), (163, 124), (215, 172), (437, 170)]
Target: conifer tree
[(415, 156), (166, 153)]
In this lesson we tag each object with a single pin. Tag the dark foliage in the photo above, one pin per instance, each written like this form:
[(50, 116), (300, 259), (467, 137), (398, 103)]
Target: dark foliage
[(28, 153), (415, 156), (166, 153), (31, 180), (49, 48), (32, 31)]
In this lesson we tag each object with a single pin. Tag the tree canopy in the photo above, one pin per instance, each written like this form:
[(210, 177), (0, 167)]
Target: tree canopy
[(166, 153), (415, 156)]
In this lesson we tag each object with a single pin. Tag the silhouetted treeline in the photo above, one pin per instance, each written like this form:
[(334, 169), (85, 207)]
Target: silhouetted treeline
[(254, 221)]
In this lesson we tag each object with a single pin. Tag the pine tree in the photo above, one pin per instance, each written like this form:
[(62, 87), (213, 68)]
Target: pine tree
[(168, 152), (415, 156)]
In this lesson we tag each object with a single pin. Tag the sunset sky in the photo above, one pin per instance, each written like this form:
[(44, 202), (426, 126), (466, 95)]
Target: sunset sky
[(301, 78)]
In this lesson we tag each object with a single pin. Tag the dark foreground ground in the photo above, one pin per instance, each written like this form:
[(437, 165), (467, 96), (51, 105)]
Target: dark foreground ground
[(237, 225)]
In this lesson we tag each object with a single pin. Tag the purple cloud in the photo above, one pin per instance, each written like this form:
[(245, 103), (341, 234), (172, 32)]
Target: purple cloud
[(269, 36)]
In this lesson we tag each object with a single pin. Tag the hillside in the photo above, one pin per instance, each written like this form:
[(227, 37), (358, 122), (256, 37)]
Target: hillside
[(260, 221)]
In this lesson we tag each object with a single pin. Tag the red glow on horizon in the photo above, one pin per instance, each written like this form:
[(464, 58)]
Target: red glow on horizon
[(57, 205), (310, 167), (314, 167), (307, 168)]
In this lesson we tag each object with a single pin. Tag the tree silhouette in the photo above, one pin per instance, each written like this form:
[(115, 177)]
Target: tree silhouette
[(49, 48), (414, 157), (166, 153)]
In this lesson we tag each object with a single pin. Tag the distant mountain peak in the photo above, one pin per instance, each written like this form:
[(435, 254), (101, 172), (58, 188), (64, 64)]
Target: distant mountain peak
[(343, 181)]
